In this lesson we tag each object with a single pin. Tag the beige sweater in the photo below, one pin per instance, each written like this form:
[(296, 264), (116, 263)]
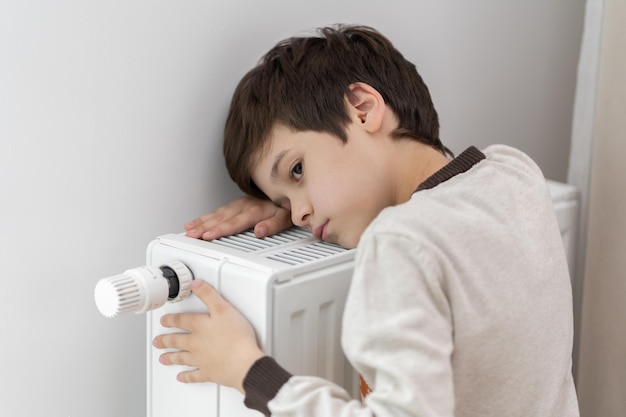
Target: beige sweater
[(460, 305)]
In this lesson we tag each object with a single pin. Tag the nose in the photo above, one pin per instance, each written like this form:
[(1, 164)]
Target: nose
[(301, 211)]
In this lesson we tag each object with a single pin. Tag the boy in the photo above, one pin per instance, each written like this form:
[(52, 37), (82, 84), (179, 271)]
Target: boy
[(460, 303)]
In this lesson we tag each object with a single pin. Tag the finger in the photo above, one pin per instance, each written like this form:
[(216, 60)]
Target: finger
[(222, 223), (227, 227), (267, 220), (238, 216), (176, 358), (208, 295), (192, 224), (200, 226), (281, 221), (212, 217), (191, 376), (178, 341), (184, 321), (197, 227)]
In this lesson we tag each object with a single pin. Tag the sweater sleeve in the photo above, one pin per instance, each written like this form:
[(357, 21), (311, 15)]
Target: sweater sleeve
[(262, 383)]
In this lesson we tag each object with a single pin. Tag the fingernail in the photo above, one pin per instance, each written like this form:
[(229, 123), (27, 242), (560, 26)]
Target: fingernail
[(261, 232)]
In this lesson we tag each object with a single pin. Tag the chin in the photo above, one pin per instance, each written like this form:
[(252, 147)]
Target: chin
[(347, 243)]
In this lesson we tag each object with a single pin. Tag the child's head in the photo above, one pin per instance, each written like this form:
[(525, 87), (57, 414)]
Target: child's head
[(302, 84)]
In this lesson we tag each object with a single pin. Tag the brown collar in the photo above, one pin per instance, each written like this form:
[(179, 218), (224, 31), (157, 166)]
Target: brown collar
[(467, 159)]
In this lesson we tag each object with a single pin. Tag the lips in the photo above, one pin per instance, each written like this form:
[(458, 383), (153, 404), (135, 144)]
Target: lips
[(320, 232)]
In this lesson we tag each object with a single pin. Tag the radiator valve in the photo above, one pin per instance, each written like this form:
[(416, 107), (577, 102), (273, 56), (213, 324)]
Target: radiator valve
[(143, 288)]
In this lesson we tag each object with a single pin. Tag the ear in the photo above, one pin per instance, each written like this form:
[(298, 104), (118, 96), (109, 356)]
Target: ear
[(366, 106)]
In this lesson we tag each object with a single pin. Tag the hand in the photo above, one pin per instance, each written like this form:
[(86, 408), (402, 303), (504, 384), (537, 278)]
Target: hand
[(238, 216), (221, 344)]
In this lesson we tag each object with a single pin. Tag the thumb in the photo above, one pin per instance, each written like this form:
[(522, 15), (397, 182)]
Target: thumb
[(279, 222), (207, 294)]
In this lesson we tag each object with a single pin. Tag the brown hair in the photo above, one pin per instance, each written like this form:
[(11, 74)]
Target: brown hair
[(302, 83)]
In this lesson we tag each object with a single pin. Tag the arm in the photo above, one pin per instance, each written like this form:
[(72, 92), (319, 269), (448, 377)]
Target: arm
[(239, 215)]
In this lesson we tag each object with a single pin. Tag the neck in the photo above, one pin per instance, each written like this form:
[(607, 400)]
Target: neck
[(419, 161)]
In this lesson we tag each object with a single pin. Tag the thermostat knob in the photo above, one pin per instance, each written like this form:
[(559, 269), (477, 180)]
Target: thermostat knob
[(142, 289)]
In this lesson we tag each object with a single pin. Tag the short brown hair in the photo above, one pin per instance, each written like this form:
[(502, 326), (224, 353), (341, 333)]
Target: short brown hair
[(302, 83)]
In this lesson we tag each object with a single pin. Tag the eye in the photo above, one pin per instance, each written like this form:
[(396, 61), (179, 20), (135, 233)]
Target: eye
[(297, 171)]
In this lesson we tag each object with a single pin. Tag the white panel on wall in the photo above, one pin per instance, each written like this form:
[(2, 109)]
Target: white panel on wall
[(111, 116)]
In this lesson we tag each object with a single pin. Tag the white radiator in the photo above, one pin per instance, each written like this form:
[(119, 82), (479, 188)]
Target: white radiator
[(291, 287)]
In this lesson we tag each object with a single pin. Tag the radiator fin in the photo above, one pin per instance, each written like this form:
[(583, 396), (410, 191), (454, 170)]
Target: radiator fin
[(297, 341), (248, 242), (327, 326), (292, 254), (307, 253)]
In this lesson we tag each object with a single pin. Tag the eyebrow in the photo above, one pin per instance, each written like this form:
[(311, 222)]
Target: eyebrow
[(276, 163)]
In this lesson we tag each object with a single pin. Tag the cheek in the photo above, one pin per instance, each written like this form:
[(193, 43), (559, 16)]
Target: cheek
[(349, 192), (323, 188)]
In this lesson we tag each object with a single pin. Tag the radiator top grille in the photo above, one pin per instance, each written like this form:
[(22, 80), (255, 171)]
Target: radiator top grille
[(293, 255)]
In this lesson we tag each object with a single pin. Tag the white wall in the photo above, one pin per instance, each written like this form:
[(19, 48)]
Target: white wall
[(110, 124)]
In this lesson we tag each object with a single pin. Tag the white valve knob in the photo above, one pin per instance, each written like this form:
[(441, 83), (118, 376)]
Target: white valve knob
[(142, 289)]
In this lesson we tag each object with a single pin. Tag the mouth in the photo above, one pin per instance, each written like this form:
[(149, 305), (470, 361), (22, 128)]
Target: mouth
[(320, 232)]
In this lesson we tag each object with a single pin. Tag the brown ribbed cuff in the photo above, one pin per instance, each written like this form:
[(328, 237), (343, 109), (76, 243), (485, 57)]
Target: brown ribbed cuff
[(262, 382)]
